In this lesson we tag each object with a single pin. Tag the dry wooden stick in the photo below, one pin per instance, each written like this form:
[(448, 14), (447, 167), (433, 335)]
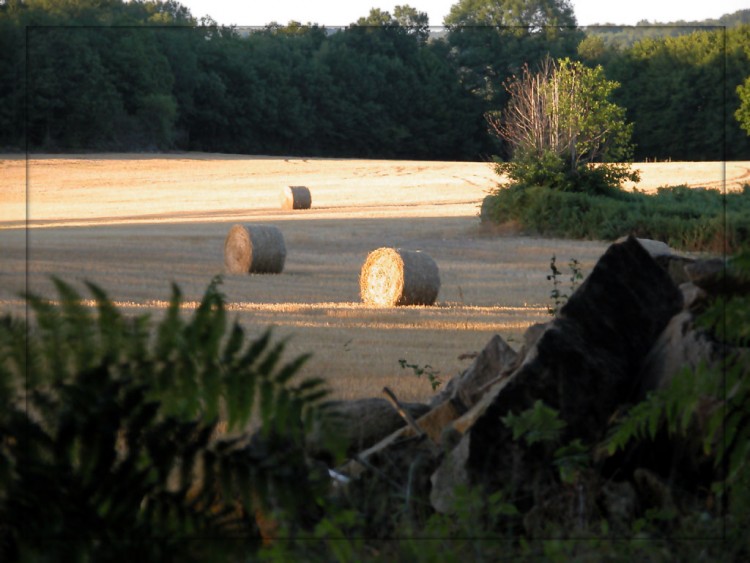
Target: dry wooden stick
[(484, 388), (403, 412)]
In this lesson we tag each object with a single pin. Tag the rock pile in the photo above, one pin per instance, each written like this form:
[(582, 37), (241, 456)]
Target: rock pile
[(627, 329)]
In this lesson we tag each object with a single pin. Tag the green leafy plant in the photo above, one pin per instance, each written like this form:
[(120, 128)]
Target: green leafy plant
[(571, 459), (548, 170), (743, 112), (564, 109), (558, 298), (419, 371), (540, 423), (558, 122), (109, 435), (472, 507)]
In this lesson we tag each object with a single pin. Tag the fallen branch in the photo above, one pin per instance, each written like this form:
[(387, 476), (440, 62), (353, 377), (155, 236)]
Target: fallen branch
[(402, 412)]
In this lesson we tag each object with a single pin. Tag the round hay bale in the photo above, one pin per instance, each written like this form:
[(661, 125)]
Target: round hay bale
[(392, 276), (254, 249), (296, 197)]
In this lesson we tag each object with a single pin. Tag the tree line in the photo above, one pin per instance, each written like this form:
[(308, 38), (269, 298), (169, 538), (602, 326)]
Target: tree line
[(627, 35), (146, 75)]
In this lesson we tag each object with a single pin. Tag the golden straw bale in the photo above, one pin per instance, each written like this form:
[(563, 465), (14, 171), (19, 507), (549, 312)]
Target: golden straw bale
[(393, 276), (296, 197), (254, 249)]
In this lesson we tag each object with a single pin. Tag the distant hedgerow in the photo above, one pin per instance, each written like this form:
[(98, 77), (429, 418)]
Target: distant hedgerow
[(685, 218)]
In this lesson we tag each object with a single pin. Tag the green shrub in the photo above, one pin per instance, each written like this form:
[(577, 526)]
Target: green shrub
[(558, 297), (690, 219), (549, 170), (108, 434)]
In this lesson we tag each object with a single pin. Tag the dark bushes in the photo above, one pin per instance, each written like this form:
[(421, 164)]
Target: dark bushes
[(685, 218), (110, 446)]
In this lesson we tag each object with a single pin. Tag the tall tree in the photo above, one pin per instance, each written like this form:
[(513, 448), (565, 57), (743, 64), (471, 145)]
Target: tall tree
[(743, 112), (415, 22), (492, 40), (564, 109), (558, 122), (12, 73), (71, 101), (524, 15)]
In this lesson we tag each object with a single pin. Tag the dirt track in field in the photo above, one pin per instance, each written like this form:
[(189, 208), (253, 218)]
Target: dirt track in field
[(136, 223)]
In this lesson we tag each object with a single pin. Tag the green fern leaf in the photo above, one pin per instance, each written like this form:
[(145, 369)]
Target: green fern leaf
[(291, 369), (537, 424), (272, 357), (266, 398), (234, 345), (169, 330)]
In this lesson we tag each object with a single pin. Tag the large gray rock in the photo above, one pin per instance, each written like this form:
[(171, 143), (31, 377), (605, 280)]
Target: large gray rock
[(585, 363), (655, 248), (451, 473), (693, 297), (496, 359), (680, 346), (675, 266), (663, 255), (717, 276)]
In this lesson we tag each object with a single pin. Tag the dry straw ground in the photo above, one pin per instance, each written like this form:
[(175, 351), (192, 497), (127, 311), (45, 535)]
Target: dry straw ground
[(135, 223)]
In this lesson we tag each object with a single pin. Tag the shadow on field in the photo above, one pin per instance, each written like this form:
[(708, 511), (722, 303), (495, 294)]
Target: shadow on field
[(488, 285), (324, 258)]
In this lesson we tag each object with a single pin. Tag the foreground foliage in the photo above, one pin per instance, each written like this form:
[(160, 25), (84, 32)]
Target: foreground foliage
[(109, 448), (109, 438)]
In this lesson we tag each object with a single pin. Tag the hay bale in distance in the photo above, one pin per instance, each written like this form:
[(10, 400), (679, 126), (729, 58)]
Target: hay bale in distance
[(296, 197), (254, 249), (393, 276)]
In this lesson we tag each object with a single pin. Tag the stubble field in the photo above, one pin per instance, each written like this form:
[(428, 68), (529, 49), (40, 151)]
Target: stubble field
[(134, 224)]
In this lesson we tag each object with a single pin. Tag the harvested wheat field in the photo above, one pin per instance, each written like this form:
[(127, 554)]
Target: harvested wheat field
[(134, 224)]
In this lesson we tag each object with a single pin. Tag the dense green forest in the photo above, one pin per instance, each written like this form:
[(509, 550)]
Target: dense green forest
[(146, 76)]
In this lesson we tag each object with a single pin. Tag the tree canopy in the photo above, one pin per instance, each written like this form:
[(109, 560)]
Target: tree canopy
[(743, 112), (565, 109), (681, 94), (146, 75), (529, 15), (492, 40)]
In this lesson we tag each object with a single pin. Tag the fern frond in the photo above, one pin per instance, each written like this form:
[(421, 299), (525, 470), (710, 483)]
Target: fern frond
[(120, 429), (233, 345), (13, 357), (169, 330), (290, 369), (640, 422), (266, 399), (269, 361), (537, 424), (111, 330)]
